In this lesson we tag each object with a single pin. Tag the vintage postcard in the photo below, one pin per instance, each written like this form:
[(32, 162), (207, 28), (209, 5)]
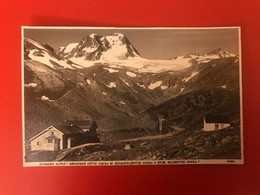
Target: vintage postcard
[(131, 96)]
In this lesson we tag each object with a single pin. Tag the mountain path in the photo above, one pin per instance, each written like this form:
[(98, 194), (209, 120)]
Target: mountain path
[(149, 137), (67, 151)]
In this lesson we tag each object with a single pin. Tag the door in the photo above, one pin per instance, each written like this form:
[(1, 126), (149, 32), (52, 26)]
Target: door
[(56, 144)]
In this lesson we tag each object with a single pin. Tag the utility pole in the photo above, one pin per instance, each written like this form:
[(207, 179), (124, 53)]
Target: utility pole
[(160, 125)]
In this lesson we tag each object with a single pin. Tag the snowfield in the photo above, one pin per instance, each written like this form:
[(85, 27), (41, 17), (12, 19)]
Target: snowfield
[(191, 76), (110, 70), (46, 59), (180, 60), (121, 102), (70, 47), (137, 64), (131, 74), (45, 98), (82, 62), (164, 87), (140, 85), (155, 85), (30, 85), (112, 85), (157, 66)]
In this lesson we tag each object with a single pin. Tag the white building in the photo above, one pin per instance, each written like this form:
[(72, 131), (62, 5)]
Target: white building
[(70, 134), (215, 122), (56, 138)]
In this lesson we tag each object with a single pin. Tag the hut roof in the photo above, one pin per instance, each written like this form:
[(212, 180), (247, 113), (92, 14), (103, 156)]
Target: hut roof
[(216, 119), (82, 123)]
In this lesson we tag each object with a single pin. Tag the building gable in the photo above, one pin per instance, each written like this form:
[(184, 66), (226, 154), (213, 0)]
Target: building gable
[(49, 139), (66, 130), (45, 130)]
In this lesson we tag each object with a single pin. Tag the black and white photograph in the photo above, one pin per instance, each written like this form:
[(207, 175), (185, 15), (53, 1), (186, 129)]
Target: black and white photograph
[(131, 96)]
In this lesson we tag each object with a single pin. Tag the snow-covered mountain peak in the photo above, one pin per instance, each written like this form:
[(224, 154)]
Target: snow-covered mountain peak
[(197, 58), (118, 34), (221, 53), (113, 50), (92, 38), (191, 55), (93, 35), (96, 47), (117, 39)]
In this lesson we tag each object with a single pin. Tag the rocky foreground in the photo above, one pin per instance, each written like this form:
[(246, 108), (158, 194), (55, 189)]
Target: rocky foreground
[(222, 144)]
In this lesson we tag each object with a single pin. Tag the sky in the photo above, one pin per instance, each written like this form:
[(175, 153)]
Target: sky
[(150, 43)]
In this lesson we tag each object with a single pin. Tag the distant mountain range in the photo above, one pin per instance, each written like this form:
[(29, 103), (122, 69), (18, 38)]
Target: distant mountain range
[(114, 49), (104, 78)]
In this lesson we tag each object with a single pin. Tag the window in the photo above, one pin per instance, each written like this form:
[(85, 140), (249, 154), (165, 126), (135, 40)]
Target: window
[(49, 140), (52, 133), (38, 143), (216, 126)]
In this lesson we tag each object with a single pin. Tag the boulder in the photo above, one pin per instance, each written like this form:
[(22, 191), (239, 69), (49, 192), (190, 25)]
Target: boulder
[(127, 147)]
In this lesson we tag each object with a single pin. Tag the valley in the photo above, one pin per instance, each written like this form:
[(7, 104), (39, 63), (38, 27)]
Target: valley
[(104, 79)]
